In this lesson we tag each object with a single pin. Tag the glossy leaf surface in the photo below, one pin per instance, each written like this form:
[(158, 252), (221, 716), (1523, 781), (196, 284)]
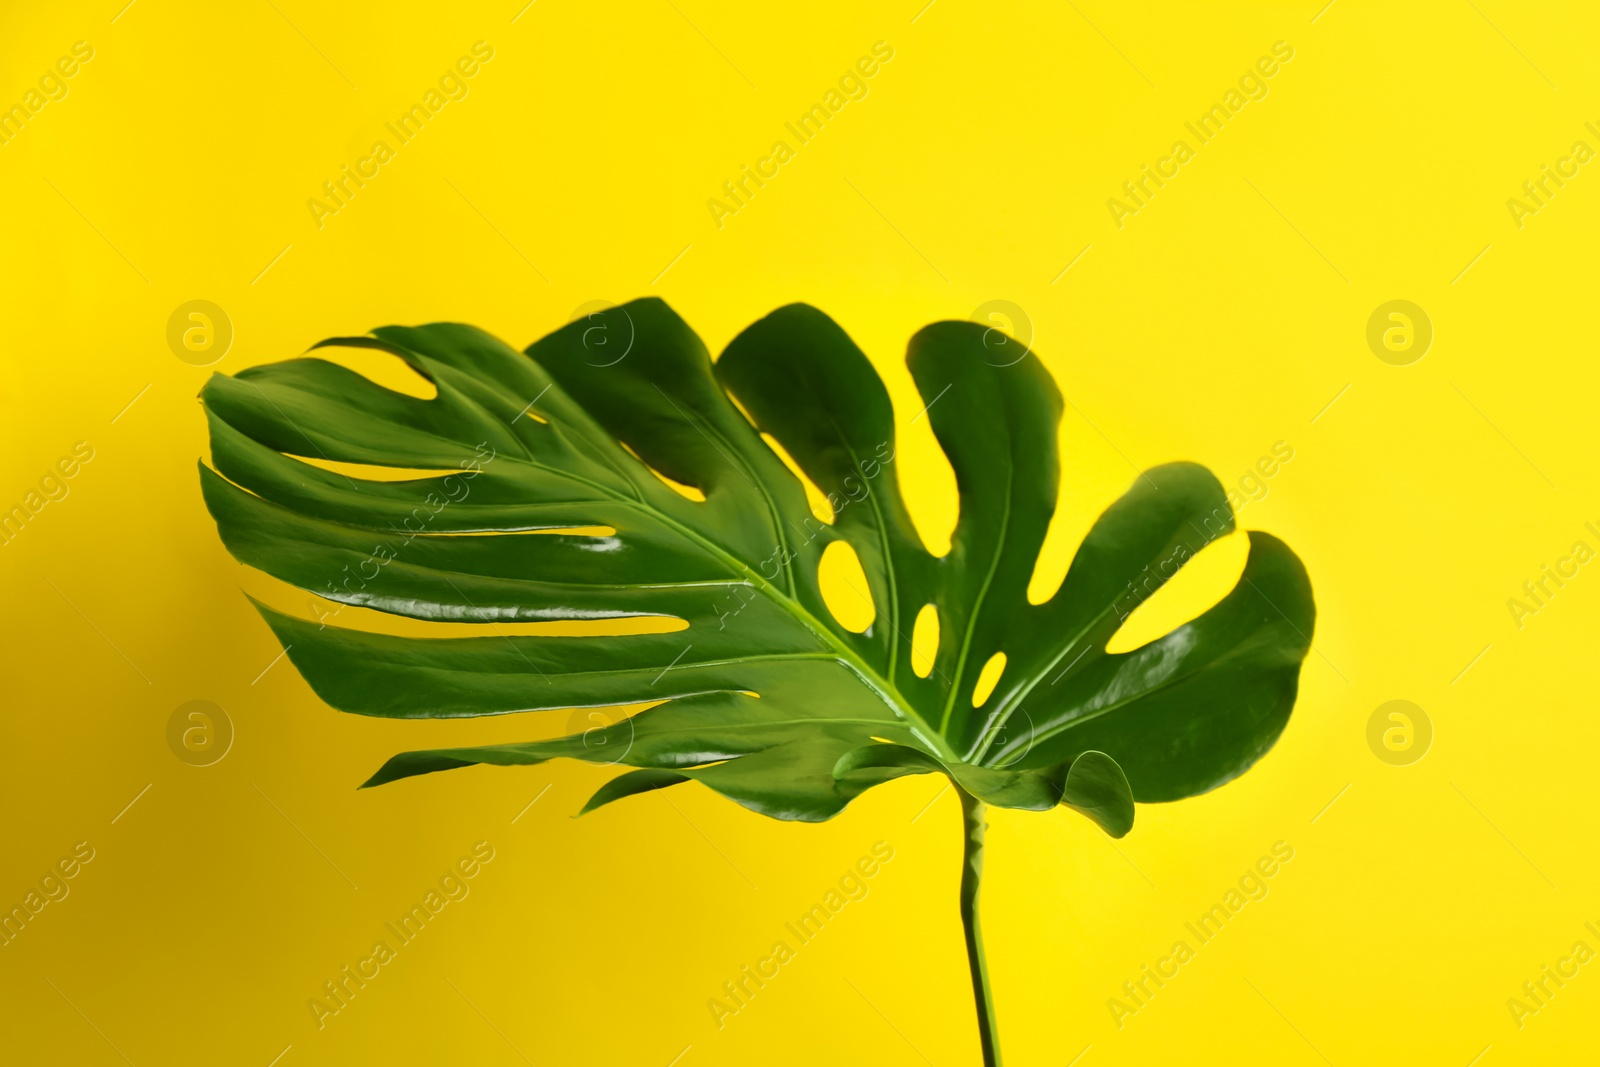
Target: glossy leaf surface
[(551, 502)]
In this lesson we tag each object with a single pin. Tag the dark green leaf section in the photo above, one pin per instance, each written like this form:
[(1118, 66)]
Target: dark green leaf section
[(546, 502), (804, 381), (1195, 709), (997, 426)]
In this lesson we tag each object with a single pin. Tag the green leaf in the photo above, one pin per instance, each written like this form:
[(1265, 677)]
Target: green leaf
[(550, 501), (1096, 787)]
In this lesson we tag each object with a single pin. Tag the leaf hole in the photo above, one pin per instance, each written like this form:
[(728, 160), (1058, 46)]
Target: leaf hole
[(925, 641), (688, 492), (927, 480), (375, 473), (306, 604), (1063, 535), (381, 368), (988, 678), (595, 532), (1205, 579), (816, 499), (844, 587)]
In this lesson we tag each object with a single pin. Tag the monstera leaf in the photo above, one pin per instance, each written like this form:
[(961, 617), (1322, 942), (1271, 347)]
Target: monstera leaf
[(552, 501)]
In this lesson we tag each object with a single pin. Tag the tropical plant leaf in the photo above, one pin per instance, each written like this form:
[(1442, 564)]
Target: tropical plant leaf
[(551, 502)]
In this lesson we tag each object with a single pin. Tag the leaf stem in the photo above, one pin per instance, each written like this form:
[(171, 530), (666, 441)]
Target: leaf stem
[(973, 826)]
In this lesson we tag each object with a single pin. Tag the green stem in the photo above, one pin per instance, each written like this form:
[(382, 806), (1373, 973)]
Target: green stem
[(972, 813)]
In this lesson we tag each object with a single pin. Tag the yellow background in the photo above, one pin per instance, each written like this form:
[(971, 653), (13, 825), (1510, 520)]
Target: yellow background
[(1221, 319)]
